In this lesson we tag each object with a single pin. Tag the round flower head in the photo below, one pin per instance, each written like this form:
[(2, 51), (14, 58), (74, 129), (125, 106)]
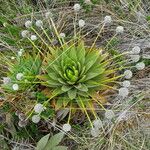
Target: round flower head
[(95, 132), (12, 57), (67, 127), (21, 116), (22, 123), (126, 83), (62, 35), (136, 50), (97, 123), (48, 15), (15, 87), (17, 113), (88, 2), (76, 7), (119, 29), (20, 53), (6, 80), (81, 23), (123, 92), (28, 24), (107, 19), (109, 114), (140, 66), (135, 58), (33, 37), (128, 74), (38, 108), (36, 118), (39, 23), (19, 76), (25, 33)]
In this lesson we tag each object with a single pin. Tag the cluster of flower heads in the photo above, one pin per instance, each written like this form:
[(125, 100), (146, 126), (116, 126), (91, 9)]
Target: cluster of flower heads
[(135, 57), (22, 119), (39, 108)]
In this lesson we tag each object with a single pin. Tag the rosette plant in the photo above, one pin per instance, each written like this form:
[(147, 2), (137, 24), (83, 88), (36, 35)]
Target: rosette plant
[(74, 73), (28, 66)]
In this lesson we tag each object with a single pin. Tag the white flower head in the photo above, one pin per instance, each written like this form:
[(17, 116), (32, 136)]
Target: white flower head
[(128, 74), (66, 127), (19, 76), (123, 92), (33, 37), (48, 15), (88, 2), (38, 108), (126, 83), (95, 132), (25, 33), (21, 116), (109, 114), (36, 118), (76, 7), (20, 53), (119, 29), (28, 24), (12, 57), (22, 123), (15, 87), (136, 50), (6, 80), (62, 35), (98, 123), (39, 23), (107, 19), (140, 66), (81, 23), (135, 58)]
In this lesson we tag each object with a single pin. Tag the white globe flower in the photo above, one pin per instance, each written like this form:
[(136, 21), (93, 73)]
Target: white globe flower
[(76, 7), (25, 33), (48, 15), (107, 19), (36, 118), (22, 123), (6, 80), (12, 57), (39, 23), (15, 87), (62, 35), (20, 53), (128, 74), (123, 92), (21, 116), (38, 108), (33, 37), (81, 23), (19, 76), (126, 83), (98, 123), (28, 24), (135, 58), (67, 127), (95, 132), (140, 66), (109, 114), (88, 2), (119, 29), (136, 50)]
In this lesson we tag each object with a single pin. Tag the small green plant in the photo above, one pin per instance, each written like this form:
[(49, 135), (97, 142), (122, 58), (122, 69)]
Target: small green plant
[(47, 143), (22, 72)]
